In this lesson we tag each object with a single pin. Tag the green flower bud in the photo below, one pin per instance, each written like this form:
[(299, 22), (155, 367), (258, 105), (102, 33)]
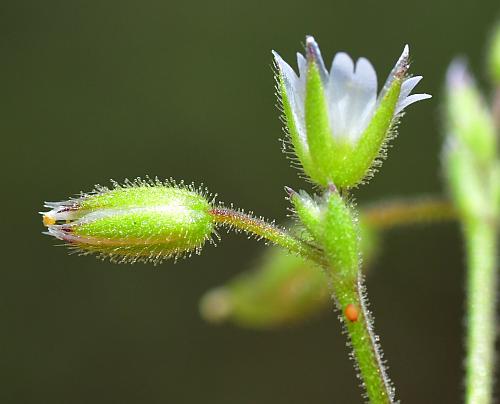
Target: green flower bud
[(469, 119), (326, 216), (140, 221), (494, 56), (309, 209), (337, 124), (285, 289)]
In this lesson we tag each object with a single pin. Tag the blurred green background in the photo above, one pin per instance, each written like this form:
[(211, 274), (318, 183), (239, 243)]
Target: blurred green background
[(94, 90)]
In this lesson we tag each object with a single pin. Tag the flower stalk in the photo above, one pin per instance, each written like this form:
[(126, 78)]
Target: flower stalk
[(481, 241), (262, 229)]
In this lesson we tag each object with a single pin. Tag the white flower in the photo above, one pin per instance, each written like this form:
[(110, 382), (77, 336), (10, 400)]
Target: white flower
[(350, 89), (338, 124)]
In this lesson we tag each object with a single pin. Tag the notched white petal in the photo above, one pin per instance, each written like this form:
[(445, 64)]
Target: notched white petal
[(342, 68), (352, 95), (366, 76)]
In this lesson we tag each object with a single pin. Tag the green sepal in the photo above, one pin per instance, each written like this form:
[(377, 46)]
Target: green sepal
[(300, 147), (353, 163), (319, 135), (309, 211)]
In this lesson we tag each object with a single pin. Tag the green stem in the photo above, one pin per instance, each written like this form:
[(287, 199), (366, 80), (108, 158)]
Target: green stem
[(496, 107), (481, 242), (363, 341), (340, 240), (262, 229), (342, 263), (405, 212)]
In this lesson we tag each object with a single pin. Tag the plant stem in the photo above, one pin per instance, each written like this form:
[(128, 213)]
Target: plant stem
[(496, 107), (481, 239), (262, 229), (340, 240), (347, 286), (404, 212), (363, 341)]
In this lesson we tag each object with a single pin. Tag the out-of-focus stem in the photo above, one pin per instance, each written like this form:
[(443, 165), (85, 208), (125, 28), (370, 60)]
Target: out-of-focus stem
[(481, 239), (404, 212), (496, 107)]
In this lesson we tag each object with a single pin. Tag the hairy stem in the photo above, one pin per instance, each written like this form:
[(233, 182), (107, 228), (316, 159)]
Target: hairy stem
[(481, 239), (351, 296), (340, 240), (342, 263), (269, 231)]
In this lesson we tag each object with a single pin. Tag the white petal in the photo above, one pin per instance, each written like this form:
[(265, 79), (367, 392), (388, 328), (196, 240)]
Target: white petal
[(341, 72), (366, 76), (341, 75), (302, 64), (408, 86), (410, 100), (363, 98), (352, 95)]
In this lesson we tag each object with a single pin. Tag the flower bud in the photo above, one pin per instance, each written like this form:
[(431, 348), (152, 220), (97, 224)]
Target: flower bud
[(285, 289), (141, 221), (469, 118), (338, 125), (309, 209)]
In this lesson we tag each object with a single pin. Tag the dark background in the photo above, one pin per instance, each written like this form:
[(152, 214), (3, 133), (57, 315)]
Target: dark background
[(93, 90)]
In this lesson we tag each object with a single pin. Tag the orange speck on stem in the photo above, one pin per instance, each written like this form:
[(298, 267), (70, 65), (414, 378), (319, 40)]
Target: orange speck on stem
[(48, 221), (351, 312)]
